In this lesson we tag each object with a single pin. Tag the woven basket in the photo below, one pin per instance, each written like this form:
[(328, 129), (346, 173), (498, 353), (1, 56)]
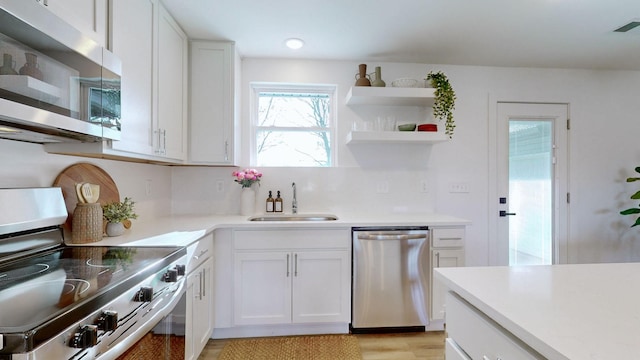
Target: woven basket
[(86, 226)]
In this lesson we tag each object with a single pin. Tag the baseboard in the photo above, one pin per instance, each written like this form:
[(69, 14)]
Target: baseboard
[(279, 330)]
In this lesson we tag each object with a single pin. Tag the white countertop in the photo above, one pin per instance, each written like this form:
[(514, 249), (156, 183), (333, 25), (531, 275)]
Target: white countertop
[(183, 230), (586, 311)]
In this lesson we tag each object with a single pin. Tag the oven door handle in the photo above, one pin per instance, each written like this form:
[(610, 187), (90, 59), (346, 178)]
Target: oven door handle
[(170, 301)]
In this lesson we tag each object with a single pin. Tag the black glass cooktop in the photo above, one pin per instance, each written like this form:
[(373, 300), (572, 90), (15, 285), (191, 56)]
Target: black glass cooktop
[(78, 280)]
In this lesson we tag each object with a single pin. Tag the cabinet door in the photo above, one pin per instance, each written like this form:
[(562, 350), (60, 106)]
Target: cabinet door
[(133, 39), (203, 308), (88, 16), (321, 286), (212, 113), (442, 258), (172, 88), (262, 288), (192, 294)]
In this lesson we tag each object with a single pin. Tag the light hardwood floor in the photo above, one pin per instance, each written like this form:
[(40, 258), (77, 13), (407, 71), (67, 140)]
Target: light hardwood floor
[(407, 346)]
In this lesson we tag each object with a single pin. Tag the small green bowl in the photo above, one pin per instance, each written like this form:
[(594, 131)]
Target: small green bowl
[(407, 127)]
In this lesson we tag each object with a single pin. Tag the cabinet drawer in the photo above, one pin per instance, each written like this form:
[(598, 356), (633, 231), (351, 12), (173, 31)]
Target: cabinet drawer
[(199, 252), (447, 237), (453, 352), (479, 337), (291, 239)]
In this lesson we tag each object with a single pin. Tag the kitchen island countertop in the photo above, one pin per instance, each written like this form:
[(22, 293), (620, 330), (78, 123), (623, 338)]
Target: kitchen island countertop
[(581, 311), (185, 229)]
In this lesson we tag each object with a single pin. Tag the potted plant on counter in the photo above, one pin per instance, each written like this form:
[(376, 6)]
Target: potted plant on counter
[(116, 214), (445, 100)]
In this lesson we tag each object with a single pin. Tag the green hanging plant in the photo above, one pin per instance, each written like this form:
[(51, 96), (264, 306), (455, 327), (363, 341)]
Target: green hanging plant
[(636, 196), (445, 100)]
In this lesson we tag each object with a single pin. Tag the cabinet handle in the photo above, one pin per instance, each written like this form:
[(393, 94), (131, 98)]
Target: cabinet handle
[(164, 141), (226, 150), (287, 265), (295, 273), (437, 259), (204, 284)]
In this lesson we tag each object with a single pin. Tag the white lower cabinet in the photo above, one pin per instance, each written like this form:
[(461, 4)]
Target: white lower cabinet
[(199, 297), (282, 287), (447, 250), (473, 335), (291, 277)]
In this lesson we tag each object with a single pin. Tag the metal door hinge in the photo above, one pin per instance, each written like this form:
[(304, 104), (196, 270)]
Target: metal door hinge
[(568, 198), (568, 124)]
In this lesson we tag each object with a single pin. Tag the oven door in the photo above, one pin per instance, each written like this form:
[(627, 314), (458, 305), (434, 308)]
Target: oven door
[(163, 339)]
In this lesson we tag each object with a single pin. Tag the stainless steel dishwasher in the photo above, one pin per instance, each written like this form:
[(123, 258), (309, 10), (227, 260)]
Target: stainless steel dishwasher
[(390, 279)]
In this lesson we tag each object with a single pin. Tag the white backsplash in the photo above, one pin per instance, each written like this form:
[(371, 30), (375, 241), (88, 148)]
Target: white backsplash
[(333, 190)]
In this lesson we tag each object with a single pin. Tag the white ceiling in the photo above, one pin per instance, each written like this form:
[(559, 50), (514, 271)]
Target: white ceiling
[(521, 33)]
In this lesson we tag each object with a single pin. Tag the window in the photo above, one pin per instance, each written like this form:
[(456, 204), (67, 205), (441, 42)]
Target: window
[(293, 125)]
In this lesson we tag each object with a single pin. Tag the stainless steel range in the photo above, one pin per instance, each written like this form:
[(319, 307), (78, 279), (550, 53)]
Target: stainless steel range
[(63, 302)]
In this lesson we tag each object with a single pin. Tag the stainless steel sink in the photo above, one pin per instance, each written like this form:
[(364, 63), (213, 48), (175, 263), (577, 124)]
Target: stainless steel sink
[(294, 217)]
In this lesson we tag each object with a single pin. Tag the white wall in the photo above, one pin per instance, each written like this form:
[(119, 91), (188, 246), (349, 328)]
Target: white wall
[(603, 151), (28, 165)]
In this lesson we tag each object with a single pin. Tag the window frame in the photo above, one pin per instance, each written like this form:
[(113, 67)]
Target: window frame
[(259, 87)]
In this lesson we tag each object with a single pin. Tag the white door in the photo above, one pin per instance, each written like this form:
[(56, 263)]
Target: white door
[(532, 197)]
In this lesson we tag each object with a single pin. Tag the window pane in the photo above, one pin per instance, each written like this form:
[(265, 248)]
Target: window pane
[(293, 109), (530, 191), (293, 148)]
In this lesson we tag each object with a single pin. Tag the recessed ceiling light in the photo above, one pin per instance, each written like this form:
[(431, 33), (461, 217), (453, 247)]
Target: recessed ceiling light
[(294, 43)]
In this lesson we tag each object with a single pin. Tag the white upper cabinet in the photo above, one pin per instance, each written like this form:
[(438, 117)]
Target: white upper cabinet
[(154, 54), (133, 39), (214, 103), (88, 16), (173, 50)]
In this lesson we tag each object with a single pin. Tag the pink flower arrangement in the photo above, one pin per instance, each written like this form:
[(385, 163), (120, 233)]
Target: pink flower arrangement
[(247, 177)]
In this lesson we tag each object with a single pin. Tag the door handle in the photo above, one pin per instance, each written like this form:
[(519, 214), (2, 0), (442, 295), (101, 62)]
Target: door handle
[(504, 213), (287, 265)]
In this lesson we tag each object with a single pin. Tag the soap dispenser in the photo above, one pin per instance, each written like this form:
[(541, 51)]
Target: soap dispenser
[(270, 203), (278, 203)]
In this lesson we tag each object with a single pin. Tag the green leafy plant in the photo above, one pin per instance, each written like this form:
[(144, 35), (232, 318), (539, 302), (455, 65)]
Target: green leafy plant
[(445, 100), (636, 196), (119, 211)]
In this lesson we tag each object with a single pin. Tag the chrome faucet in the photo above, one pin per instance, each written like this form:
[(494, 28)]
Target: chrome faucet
[(294, 203)]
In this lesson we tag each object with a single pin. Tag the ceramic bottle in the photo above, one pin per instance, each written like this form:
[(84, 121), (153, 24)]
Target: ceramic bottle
[(7, 65), (378, 80), (30, 68)]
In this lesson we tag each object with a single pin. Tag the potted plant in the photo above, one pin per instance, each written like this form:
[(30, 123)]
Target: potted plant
[(445, 99), (636, 196), (116, 213)]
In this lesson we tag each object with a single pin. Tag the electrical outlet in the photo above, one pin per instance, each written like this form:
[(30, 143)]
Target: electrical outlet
[(459, 187), (382, 187), (424, 186), (219, 185)]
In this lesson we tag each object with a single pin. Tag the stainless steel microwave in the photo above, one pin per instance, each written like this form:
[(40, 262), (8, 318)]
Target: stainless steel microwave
[(54, 80)]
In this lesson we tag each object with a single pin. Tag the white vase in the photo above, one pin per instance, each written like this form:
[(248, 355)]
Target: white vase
[(115, 229), (247, 201)]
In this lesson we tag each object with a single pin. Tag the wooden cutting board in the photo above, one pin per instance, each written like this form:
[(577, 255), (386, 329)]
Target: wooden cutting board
[(85, 172)]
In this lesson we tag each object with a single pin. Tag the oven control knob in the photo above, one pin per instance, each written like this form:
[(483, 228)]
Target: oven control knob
[(170, 276), (180, 269), (85, 337), (108, 320), (145, 294)]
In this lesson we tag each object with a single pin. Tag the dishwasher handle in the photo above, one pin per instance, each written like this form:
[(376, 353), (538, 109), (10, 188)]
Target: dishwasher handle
[(395, 236)]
